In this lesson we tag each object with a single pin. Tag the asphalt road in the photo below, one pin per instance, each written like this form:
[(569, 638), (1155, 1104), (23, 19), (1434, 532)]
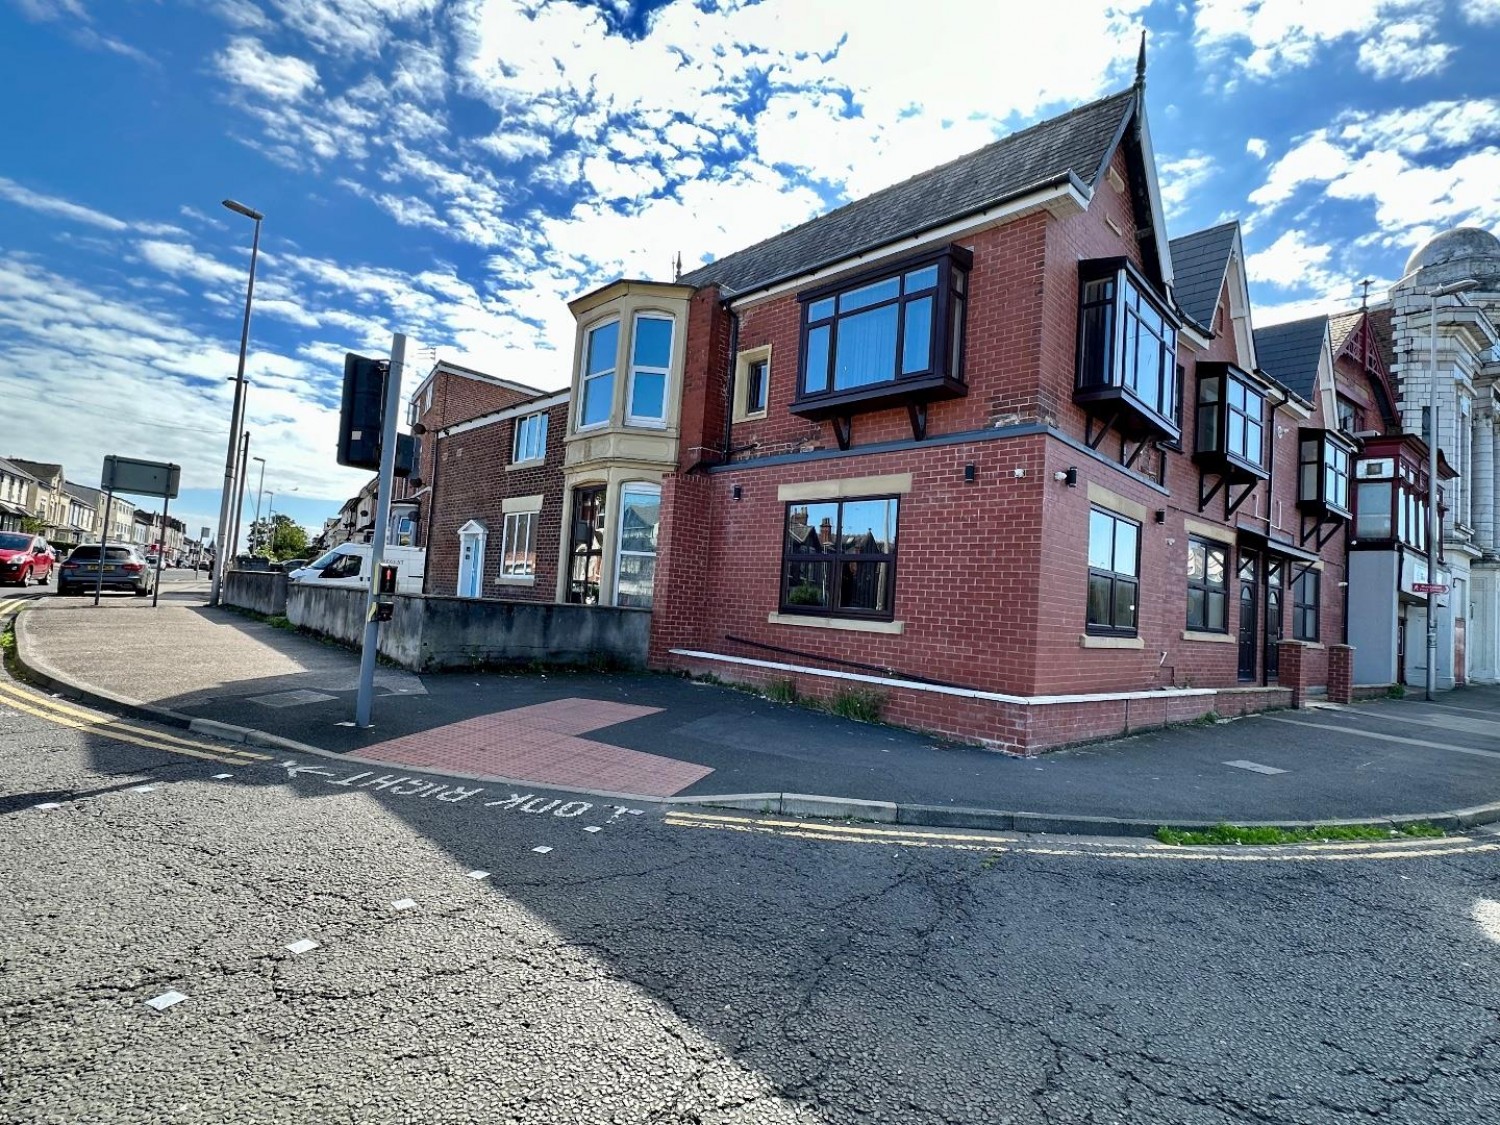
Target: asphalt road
[(685, 968)]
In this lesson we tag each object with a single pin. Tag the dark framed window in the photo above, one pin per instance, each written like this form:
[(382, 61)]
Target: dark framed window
[(1231, 418), (586, 546), (1208, 586), (1127, 344), (1351, 417), (1114, 573), (839, 558), (1323, 473), (757, 382), (1305, 606), (898, 327)]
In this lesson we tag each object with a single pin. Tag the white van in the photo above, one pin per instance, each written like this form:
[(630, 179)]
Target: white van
[(348, 565)]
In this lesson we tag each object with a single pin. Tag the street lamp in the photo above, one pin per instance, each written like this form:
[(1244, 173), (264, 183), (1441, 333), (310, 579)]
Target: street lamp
[(271, 515), (260, 489), (1449, 290), (236, 417)]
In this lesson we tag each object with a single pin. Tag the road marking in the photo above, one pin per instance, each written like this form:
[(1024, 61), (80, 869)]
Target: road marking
[(165, 1000), (992, 844), (1254, 767), (110, 727), (305, 945), (1391, 738), (404, 904)]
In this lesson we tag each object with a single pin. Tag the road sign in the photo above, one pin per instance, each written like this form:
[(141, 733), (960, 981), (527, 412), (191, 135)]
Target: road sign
[(145, 478), (1429, 587)]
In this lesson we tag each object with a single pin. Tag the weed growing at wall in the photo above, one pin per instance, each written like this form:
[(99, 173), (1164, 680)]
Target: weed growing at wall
[(857, 704)]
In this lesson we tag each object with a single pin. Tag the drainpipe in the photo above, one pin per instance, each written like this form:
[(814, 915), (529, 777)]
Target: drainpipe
[(734, 347)]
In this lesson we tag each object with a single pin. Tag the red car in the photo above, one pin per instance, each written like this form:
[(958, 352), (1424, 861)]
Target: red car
[(24, 557)]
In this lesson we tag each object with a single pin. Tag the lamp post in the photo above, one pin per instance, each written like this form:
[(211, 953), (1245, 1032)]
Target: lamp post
[(1449, 290), (236, 417), (259, 490)]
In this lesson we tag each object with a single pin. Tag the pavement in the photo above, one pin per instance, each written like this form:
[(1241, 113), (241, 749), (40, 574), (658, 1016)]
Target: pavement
[(676, 741)]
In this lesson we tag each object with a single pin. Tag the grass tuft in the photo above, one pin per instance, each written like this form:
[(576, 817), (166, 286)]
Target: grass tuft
[(782, 691), (1224, 833), (857, 704)]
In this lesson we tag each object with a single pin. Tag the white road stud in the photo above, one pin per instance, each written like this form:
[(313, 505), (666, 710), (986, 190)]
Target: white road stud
[(305, 945), (165, 1000)]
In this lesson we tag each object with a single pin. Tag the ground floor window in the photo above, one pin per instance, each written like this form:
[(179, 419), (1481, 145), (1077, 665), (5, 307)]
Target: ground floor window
[(586, 546), (1114, 573), (839, 558), (1305, 606), (635, 564), (518, 550), (1208, 586)]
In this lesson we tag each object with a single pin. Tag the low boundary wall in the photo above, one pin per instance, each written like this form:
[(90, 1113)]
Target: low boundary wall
[(264, 591), (432, 634)]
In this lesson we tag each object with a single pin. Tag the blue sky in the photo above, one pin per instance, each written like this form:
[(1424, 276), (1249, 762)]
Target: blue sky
[(459, 169)]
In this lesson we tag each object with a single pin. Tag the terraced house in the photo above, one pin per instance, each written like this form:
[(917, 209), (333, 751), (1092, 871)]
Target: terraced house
[(990, 444)]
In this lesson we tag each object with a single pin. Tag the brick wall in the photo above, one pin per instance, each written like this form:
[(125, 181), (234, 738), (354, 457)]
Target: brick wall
[(474, 480)]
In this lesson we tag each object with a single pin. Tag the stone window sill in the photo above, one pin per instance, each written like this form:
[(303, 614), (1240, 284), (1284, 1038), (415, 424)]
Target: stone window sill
[(1087, 640), (515, 581), (1215, 638), (529, 463), (848, 624)]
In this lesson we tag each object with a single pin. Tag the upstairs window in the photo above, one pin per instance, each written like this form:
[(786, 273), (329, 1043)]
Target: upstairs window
[(896, 329), (531, 438), (1231, 419), (757, 379), (598, 395), (1127, 345), (1323, 473), (650, 360), (1114, 573)]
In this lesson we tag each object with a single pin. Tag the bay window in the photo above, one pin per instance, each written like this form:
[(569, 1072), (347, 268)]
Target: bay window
[(1323, 473), (1127, 350), (635, 561), (650, 361), (1231, 421), (597, 400), (896, 333)]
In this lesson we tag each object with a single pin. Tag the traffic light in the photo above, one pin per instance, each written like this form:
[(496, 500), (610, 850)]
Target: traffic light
[(362, 413), (408, 455)]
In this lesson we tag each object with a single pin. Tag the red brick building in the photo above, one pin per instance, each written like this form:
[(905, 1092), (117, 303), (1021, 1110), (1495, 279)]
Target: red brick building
[(449, 394), (497, 517), (988, 444)]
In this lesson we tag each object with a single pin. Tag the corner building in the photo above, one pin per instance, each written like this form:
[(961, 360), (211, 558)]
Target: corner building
[(987, 443)]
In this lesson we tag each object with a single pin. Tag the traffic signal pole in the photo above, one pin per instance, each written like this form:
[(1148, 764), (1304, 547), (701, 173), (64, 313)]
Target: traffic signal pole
[(364, 698)]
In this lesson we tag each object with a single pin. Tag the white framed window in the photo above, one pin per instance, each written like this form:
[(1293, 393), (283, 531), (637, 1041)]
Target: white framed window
[(752, 383), (635, 562), (531, 438), (518, 551), (598, 396), (650, 361)]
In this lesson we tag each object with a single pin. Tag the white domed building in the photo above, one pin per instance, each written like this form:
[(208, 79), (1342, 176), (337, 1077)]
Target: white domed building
[(1443, 320)]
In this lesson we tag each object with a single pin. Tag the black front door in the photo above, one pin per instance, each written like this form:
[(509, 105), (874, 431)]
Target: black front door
[(1249, 619), (1274, 587)]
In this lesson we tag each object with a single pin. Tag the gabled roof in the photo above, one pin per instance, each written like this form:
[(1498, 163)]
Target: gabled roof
[(1290, 352), (1380, 328), (12, 469), (83, 492), (40, 471), (1073, 148), (1199, 263), (1341, 325)]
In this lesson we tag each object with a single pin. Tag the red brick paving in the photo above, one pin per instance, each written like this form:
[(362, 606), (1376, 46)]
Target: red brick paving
[(540, 745)]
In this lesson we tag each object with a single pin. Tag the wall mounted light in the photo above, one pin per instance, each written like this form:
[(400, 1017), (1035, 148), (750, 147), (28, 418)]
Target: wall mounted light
[(736, 492), (1161, 515), (969, 474), (1068, 476)]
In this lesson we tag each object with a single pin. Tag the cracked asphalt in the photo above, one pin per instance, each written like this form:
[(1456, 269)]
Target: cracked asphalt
[(647, 972)]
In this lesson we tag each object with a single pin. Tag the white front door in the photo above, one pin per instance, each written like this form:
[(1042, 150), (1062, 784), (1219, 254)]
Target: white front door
[(470, 563)]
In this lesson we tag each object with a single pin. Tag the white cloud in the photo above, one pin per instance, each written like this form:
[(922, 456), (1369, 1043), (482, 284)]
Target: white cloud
[(1182, 178), (1404, 50), (1257, 147), (1284, 35), (248, 64), (1291, 262), (62, 208), (1483, 13)]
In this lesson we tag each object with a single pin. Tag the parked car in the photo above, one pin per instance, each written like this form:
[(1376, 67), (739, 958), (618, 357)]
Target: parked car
[(348, 565), (24, 557), (124, 569), (289, 565)]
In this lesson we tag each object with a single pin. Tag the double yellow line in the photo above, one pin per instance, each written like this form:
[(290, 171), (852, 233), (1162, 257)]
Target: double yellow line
[(63, 714), (992, 844)]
